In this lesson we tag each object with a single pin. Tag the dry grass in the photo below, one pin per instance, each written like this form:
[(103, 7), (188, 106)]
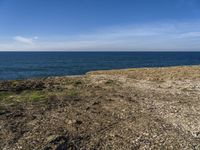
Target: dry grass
[(147, 108)]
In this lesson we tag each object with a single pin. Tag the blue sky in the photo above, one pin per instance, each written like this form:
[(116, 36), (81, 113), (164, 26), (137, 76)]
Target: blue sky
[(121, 25)]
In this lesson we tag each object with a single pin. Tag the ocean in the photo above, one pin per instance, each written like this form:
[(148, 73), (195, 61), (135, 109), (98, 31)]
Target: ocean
[(22, 65)]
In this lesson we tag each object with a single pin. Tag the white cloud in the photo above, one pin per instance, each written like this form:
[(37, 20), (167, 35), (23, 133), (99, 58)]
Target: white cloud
[(190, 35), (35, 38), (154, 36), (25, 40)]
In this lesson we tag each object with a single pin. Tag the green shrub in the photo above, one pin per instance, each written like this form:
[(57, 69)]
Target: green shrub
[(72, 93), (4, 95), (78, 82), (109, 82)]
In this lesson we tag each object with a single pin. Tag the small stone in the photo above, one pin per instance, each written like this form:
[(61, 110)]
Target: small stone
[(51, 137), (70, 122)]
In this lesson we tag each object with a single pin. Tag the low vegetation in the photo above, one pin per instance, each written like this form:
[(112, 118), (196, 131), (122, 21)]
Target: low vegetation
[(149, 108)]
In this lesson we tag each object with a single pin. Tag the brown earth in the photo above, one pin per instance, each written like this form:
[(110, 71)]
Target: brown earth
[(148, 108)]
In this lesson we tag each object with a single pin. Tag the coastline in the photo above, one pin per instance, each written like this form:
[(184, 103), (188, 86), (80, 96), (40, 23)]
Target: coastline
[(101, 71), (127, 108)]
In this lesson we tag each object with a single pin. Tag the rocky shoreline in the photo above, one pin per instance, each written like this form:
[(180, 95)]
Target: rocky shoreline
[(146, 108)]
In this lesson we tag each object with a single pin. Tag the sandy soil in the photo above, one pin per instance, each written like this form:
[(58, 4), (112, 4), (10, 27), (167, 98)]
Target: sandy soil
[(148, 108)]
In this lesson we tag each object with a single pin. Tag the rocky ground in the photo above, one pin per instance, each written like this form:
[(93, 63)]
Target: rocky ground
[(149, 108)]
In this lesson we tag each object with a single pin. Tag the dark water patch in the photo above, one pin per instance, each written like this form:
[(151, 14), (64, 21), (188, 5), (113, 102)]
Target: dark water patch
[(20, 65)]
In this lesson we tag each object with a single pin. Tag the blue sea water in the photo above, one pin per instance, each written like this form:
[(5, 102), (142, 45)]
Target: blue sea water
[(20, 65)]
